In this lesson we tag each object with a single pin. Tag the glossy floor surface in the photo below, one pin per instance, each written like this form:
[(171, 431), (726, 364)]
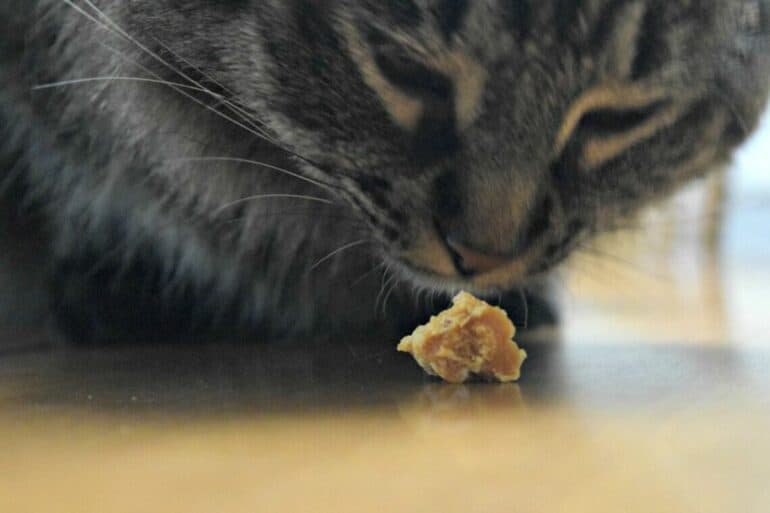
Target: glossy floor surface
[(222, 428), (653, 397)]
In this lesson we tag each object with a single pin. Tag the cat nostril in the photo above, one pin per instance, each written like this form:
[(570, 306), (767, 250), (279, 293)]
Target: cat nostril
[(470, 262)]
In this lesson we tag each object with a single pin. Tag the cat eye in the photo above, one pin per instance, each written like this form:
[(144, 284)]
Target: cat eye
[(603, 123), (608, 120), (413, 78), (406, 73), (434, 137)]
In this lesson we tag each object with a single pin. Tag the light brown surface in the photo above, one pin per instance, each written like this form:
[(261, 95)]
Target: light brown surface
[(591, 429), (472, 338)]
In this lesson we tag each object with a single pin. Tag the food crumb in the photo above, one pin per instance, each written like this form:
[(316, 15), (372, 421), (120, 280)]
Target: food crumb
[(472, 338)]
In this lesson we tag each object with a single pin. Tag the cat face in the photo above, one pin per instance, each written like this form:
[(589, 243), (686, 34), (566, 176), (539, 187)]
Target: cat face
[(483, 140)]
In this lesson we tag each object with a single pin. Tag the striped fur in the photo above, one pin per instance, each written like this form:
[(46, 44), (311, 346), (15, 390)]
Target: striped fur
[(376, 132)]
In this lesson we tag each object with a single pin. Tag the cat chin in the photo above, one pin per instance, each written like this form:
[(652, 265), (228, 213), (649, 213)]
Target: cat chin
[(424, 280)]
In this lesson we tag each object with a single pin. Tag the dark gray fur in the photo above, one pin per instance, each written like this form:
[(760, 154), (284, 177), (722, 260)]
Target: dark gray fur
[(129, 224)]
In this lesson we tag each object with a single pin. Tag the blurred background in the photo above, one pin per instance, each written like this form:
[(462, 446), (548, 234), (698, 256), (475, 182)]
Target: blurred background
[(696, 271)]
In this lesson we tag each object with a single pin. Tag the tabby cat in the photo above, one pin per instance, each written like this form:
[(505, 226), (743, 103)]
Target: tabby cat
[(295, 165)]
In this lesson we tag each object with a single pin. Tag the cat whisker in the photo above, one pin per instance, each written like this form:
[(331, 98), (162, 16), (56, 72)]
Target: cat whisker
[(250, 119), (194, 67), (658, 223), (386, 279), (255, 163), (586, 272), (286, 213), (113, 27), (241, 113), (270, 196), (396, 282), (600, 255), (119, 30), (176, 86), (730, 104), (367, 274), (89, 16), (433, 293), (76, 81), (337, 252)]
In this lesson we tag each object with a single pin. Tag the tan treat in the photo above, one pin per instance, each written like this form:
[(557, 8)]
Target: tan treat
[(472, 337)]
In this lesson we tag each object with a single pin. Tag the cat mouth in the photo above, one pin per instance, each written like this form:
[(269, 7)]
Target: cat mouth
[(435, 261)]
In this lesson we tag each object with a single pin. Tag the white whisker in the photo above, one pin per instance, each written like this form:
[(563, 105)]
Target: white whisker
[(241, 113), (193, 66), (255, 163), (271, 196), (226, 117), (730, 104), (386, 281), (88, 15), (86, 80), (337, 252), (118, 29), (255, 123), (367, 274), (396, 282), (115, 28)]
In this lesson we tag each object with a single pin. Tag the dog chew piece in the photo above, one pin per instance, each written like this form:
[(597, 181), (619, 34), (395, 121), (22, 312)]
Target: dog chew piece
[(470, 338)]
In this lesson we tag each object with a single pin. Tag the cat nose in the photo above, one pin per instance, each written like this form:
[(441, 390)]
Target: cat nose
[(471, 262)]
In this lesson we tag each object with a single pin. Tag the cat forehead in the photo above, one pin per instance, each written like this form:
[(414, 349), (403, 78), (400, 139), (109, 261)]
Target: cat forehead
[(491, 32), (492, 22), (446, 20), (429, 25), (475, 44), (572, 38)]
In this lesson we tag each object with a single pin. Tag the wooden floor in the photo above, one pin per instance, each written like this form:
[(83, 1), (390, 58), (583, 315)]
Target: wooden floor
[(589, 429), (653, 397)]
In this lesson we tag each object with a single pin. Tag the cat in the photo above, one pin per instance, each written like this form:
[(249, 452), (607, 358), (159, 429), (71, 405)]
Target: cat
[(289, 166)]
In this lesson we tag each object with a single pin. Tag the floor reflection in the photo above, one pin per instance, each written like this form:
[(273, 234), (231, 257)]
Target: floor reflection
[(213, 379), (285, 379)]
